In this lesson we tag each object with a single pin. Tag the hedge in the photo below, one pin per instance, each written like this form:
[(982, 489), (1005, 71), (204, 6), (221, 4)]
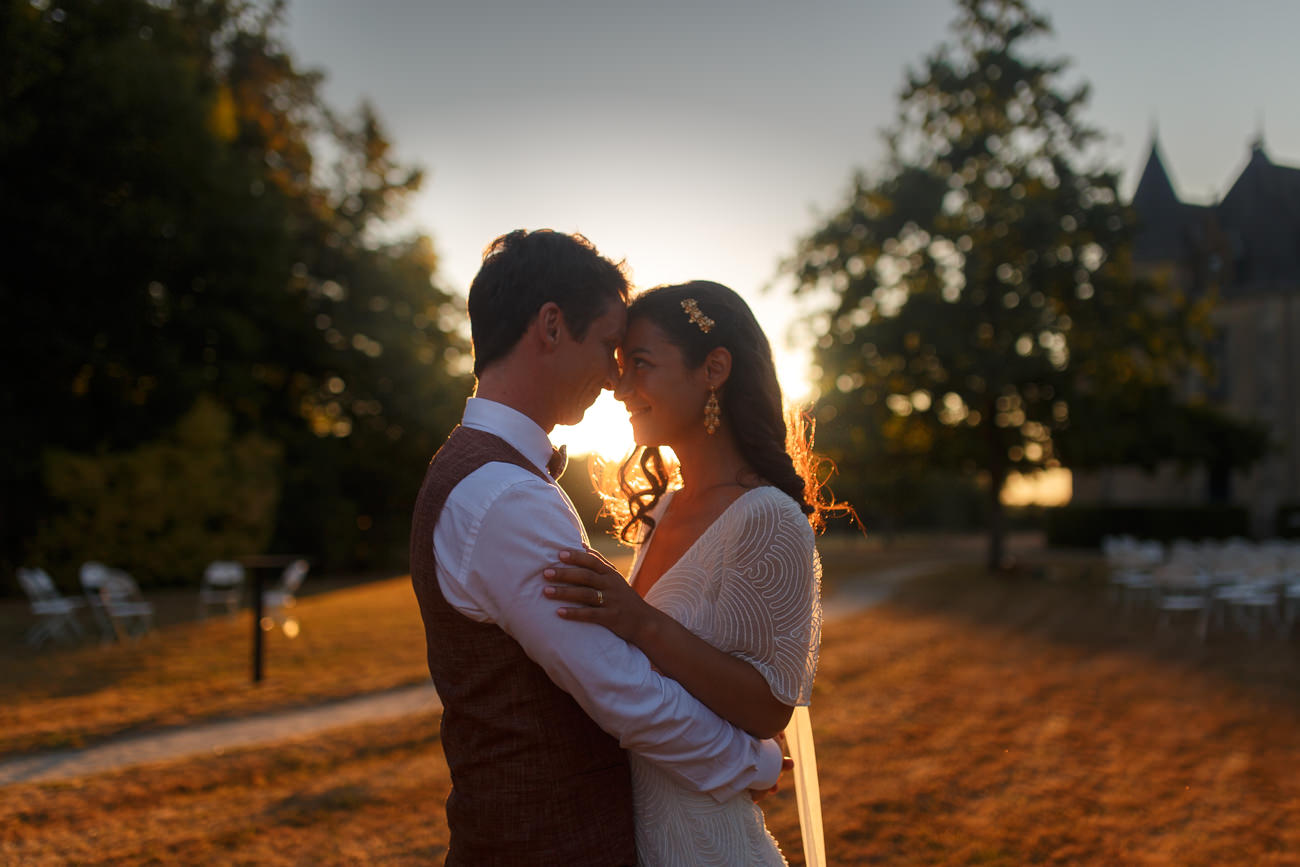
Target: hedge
[(1084, 526)]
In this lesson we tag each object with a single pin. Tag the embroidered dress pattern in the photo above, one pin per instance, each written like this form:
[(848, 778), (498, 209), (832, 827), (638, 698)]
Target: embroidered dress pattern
[(749, 585)]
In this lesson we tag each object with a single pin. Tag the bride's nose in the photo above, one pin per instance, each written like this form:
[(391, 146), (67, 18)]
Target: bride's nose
[(623, 385)]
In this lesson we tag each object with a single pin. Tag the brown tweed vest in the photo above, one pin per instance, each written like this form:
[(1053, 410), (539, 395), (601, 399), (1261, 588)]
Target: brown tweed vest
[(534, 780)]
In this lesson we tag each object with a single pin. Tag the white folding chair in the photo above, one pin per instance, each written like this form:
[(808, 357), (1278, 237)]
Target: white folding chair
[(92, 576), (277, 600), (57, 613), (1131, 589), (1172, 605), (222, 585), (127, 610)]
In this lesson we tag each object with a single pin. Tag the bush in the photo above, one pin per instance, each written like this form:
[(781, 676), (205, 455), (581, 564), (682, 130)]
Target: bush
[(165, 510), (1085, 525)]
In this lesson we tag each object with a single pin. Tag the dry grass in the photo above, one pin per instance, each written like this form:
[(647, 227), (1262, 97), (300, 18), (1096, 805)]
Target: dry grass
[(353, 640), (998, 722), (370, 794), (973, 721)]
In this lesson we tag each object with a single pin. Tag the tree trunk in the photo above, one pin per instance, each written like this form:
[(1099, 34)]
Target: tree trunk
[(997, 478), (997, 527)]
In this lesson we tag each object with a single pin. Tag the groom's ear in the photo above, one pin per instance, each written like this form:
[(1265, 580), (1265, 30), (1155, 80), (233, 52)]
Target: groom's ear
[(717, 366), (549, 325)]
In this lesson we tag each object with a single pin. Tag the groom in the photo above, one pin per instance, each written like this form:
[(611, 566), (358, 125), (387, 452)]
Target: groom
[(537, 709)]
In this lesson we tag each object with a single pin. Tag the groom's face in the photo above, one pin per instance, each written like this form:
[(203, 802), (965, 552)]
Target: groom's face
[(589, 365)]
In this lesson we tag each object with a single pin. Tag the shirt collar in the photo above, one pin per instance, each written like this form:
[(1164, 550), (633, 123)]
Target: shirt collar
[(511, 425)]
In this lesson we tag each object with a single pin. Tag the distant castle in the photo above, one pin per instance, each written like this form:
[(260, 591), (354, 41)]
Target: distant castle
[(1246, 248)]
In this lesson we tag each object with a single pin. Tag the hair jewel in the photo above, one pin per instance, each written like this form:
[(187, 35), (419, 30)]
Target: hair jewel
[(697, 316)]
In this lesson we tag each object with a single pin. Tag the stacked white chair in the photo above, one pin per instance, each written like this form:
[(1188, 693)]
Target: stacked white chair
[(127, 610), (115, 600), (93, 574)]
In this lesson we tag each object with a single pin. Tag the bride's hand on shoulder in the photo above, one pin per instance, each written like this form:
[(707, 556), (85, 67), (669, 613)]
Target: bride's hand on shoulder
[(594, 592)]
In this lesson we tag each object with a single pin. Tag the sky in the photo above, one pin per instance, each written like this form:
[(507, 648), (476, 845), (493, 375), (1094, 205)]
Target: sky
[(703, 138)]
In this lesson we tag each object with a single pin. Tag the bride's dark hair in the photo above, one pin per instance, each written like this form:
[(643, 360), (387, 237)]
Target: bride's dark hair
[(751, 408)]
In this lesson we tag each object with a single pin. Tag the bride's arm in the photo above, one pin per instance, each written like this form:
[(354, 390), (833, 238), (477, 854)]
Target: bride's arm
[(727, 685)]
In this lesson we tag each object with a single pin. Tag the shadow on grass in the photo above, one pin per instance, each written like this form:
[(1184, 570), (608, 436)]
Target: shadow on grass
[(306, 809)]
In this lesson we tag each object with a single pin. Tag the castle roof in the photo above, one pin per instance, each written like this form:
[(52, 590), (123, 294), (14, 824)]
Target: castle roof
[(1166, 225), (1259, 219)]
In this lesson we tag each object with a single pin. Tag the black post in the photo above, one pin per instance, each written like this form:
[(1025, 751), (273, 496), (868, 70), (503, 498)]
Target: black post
[(257, 624)]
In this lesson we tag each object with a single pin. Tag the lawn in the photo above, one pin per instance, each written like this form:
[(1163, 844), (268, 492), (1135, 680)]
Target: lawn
[(355, 638), (972, 720)]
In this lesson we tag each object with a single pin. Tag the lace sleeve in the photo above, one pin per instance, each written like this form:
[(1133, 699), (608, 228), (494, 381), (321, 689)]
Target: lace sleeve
[(770, 597)]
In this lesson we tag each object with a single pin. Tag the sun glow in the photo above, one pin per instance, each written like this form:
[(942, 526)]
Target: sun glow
[(606, 431), (1052, 487)]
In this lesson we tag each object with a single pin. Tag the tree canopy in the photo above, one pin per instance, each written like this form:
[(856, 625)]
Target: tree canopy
[(188, 221), (986, 316)]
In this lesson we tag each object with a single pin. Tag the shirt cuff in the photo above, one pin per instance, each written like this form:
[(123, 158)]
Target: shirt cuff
[(765, 772), (768, 770)]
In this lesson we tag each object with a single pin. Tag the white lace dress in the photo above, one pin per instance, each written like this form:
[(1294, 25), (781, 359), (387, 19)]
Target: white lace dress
[(749, 585)]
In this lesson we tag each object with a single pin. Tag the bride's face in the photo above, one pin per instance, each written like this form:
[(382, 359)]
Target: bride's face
[(664, 400)]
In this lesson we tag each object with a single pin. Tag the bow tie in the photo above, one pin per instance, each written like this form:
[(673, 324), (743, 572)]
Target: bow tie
[(559, 460)]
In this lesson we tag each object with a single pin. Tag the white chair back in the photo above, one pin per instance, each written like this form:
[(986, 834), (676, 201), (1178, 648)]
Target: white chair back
[(56, 611), (223, 573), (293, 574), (38, 585), (93, 575)]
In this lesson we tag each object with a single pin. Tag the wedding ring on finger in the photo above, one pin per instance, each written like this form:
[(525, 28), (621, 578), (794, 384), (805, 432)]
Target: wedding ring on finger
[(600, 599)]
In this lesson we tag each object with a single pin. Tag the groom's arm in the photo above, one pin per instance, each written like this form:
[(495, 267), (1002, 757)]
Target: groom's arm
[(498, 579)]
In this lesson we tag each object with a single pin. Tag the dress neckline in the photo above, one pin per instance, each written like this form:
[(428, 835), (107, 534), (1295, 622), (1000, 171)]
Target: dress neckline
[(645, 547)]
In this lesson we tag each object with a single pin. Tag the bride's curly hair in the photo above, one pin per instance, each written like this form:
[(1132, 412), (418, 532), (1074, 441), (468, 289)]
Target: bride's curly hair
[(776, 445)]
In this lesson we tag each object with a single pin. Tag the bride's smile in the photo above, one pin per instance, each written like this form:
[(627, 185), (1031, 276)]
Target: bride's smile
[(662, 397)]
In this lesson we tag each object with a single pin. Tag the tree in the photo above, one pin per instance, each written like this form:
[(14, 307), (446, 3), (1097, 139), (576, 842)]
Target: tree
[(986, 318), (175, 237)]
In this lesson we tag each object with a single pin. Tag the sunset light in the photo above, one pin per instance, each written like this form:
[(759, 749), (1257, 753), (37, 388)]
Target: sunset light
[(605, 430), (963, 343), (1051, 487)]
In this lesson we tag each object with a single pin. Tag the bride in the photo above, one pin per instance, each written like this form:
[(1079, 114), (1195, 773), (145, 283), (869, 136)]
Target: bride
[(724, 590)]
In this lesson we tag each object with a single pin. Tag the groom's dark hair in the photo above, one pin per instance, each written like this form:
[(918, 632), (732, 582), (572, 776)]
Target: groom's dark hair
[(523, 270)]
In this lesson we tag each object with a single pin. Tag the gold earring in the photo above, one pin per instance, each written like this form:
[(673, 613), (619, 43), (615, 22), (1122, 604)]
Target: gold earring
[(712, 412)]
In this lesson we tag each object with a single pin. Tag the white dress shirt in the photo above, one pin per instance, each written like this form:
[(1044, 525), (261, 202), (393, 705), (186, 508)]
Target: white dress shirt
[(500, 527)]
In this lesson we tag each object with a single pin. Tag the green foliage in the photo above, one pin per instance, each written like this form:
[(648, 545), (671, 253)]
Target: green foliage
[(174, 233), (985, 314), (166, 509), (1085, 526)]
